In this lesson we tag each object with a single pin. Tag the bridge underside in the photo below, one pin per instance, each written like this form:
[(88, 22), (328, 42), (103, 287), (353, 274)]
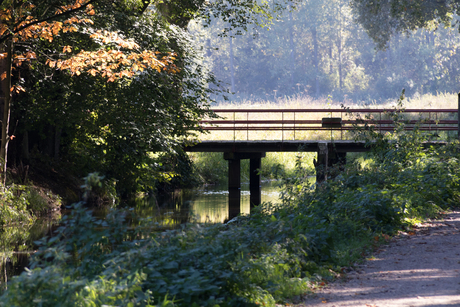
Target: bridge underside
[(329, 153), (274, 146)]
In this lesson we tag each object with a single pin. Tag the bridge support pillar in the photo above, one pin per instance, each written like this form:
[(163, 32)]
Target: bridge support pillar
[(234, 188), (255, 189), (321, 163), (328, 157), (234, 180)]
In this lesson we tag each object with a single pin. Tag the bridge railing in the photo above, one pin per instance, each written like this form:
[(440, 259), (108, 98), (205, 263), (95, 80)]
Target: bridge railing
[(307, 123)]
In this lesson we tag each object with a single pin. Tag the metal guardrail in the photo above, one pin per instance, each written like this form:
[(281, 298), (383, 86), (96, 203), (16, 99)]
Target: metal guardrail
[(294, 120)]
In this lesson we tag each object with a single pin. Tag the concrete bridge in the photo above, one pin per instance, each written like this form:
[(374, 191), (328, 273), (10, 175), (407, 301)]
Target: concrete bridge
[(329, 152)]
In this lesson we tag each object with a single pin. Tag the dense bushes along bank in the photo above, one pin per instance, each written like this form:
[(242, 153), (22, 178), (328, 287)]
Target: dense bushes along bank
[(272, 255)]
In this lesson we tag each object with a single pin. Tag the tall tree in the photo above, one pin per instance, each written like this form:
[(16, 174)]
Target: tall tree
[(383, 19), (21, 26)]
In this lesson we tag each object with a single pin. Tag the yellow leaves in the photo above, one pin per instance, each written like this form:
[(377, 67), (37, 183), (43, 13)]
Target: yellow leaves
[(107, 37), (51, 63), (17, 89), (78, 4), (44, 30), (19, 59), (123, 61), (56, 27), (114, 64), (71, 20), (3, 76)]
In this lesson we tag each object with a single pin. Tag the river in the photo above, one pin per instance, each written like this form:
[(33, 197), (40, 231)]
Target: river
[(207, 204)]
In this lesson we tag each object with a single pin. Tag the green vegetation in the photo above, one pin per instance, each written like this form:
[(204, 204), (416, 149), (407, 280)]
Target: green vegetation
[(275, 254), (98, 85), (71, 122), (21, 204), (212, 168)]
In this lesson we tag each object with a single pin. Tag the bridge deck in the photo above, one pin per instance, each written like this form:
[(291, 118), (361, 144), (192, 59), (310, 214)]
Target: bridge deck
[(273, 146)]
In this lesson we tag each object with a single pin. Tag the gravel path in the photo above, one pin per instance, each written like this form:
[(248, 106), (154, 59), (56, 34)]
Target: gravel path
[(421, 268)]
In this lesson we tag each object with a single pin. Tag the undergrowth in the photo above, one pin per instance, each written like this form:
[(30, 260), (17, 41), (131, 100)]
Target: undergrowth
[(273, 255)]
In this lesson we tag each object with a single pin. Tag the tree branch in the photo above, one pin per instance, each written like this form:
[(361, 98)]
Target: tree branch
[(69, 12)]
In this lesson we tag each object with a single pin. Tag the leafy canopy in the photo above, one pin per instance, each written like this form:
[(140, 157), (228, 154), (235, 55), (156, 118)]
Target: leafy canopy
[(381, 19)]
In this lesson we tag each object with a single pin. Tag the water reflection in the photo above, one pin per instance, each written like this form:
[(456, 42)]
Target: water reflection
[(17, 244), (209, 204)]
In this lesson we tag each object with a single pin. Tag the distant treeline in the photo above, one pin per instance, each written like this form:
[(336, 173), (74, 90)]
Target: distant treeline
[(318, 50)]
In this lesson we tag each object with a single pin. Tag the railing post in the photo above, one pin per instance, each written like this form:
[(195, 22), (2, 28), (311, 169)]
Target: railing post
[(429, 120), (282, 126), (436, 122), (247, 126), (341, 128), (294, 126), (458, 118), (234, 126)]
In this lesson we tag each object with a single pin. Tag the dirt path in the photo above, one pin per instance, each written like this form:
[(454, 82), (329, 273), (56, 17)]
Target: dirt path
[(415, 269)]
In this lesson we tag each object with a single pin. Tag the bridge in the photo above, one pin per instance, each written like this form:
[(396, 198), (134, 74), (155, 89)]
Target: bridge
[(251, 133)]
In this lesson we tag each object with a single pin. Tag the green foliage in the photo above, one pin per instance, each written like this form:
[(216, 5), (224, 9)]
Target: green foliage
[(384, 19), (210, 167), (270, 256), (18, 204)]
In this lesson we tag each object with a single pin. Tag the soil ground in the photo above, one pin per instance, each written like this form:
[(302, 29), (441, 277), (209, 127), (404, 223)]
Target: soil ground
[(419, 268)]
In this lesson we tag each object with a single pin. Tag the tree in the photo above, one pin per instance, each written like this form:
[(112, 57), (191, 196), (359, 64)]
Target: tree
[(383, 19), (18, 25), (157, 89), (16, 21)]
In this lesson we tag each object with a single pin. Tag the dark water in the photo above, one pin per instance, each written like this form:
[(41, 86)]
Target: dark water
[(205, 205), (17, 244)]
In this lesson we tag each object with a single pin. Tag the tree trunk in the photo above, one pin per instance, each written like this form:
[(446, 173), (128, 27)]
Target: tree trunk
[(6, 89), (232, 68), (315, 58), (291, 45)]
